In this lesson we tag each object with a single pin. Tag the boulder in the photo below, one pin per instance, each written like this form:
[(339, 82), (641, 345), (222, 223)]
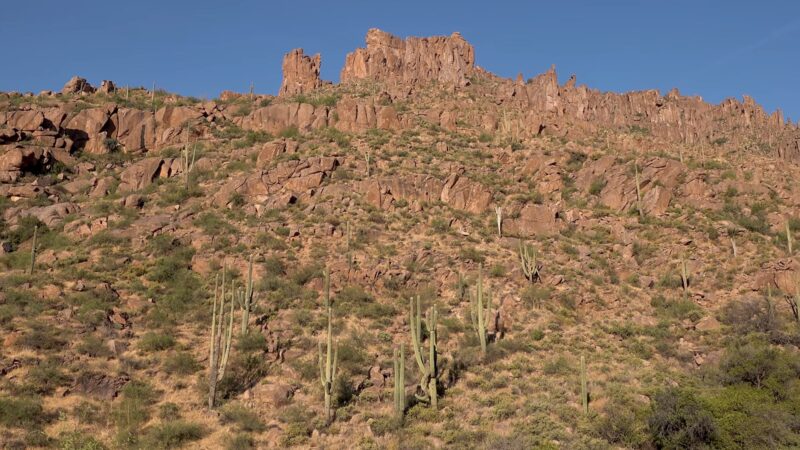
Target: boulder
[(533, 220), (16, 161), (77, 85)]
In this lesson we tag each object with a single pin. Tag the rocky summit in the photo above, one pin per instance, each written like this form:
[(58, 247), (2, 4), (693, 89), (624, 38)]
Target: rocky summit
[(423, 255)]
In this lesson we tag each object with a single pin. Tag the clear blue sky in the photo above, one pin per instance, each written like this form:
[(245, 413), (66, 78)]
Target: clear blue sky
[(716, 49)]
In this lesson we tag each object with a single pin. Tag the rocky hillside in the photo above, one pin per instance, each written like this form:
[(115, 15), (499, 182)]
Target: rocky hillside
[(561, 267)]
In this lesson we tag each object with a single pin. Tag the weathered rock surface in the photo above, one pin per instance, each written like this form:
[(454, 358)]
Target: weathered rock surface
[(300, 73), (445, 59), (457, 191)]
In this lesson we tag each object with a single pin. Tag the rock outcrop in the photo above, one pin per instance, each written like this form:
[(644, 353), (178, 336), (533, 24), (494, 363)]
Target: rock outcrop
[(300, 73), (445, 59), (77, 85), (457, 191)]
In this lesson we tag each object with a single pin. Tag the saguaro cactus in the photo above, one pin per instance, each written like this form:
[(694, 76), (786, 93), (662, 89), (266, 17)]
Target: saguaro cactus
[(788, 238), (188, 164), (638, 190), (684, 276), (428, 370), (33, 249), (328, 361), (400, 382), (247, 297), (220, 345), (529, 262), (498, 211), (584, 387), (480, 318)]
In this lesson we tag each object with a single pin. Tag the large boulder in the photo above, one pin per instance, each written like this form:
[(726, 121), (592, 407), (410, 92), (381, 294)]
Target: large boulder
[(144, 172), (77, 85), (533, 220), (136, 129), (18, 160)]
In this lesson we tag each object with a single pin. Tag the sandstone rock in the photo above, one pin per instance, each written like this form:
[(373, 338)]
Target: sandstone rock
[(457, 191), (17, 161), (708, 323), (77, 85), (413, 61), (107, 87), (533, 220), (300, 73), (99, 385), (145, 171), (136, 129), (52, 214)]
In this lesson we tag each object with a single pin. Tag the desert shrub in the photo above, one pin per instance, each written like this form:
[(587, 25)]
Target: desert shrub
[(472, 254), (156, 342), (747, 417), (93, 346), (22, 412), (41, 337), (133, 411), (244, 418), (756, 363), (678, 419), (676, 308), (181, 363), (300, 422), (240, 441), (77, 440), (621, 423), (534, 295), (172, 435), (169, 411), (45, 377), (749, 315), (242, 373)]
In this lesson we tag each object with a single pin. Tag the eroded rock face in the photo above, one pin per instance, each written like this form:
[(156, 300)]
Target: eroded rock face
[(144, 172), (284, 181), (300, 73), (445, 59), (616, 183), (457, 191), (16, 161), (77, 85)]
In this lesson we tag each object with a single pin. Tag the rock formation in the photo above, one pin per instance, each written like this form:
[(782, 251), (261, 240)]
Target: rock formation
[(300, 73), (449, 60)]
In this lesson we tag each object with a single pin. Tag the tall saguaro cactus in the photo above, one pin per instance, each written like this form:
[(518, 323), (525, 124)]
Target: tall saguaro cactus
[(480, 317), (428, 370), (684, 276), (788, 238), (247, 299), (638, 190), (584, 387), (529, 262), (328, 361), (400, 382), (220, 345), (498, 211), (33, 249)]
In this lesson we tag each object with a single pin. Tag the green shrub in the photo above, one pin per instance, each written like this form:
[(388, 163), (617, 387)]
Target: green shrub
[(22, 412), (244, 418), (77, 440), (156, 342), (679, 420), (181, 363), (172, 435)]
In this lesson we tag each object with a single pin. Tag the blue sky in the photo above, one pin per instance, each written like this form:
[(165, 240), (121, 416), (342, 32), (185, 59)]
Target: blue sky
[(715, 49)]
